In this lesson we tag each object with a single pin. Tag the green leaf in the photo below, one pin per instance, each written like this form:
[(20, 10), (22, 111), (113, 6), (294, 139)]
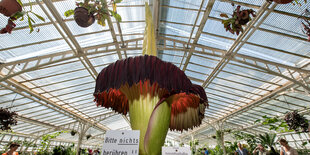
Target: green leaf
[(118, 1), (38, 16), (101, 21), (31, 19), (30, 23), (283, 124), (18, 14), (69, 13), (257, 121), (20, 3), (117, 17), (304, 143)]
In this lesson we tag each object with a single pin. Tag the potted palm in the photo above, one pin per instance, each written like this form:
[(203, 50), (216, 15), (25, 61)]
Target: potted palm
[(88, 11), (238, 19), (14, 10)]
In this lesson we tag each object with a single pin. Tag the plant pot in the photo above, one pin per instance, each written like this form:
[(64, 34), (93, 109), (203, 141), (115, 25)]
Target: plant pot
[(73, 132), (7, 119), (283, 1), (9, 7), (82, 18)]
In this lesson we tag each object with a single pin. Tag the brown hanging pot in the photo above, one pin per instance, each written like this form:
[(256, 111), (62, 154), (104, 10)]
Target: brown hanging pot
[(9, 7), (283, 1), (82, 17)]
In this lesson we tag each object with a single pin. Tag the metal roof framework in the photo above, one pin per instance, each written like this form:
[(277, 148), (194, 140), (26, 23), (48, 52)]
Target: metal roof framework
[(48, 76)]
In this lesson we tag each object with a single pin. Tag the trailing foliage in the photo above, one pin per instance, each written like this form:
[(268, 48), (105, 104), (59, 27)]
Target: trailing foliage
[(7, 119), (239, 18), (296, 122), (275, 123)]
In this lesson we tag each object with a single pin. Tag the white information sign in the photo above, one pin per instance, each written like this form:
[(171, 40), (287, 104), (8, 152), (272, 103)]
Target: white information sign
[(176, 151), (121, 142)]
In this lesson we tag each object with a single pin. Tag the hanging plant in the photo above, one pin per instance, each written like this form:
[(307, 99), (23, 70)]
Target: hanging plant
[(296, 122), (288, 1), (305, 23), (88, 136), (7, 119), (238, 19), (73, 132), (13, 10), (87, 11)]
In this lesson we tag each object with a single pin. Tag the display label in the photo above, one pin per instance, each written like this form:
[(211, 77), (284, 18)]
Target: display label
[(176, 151), (121, 142)]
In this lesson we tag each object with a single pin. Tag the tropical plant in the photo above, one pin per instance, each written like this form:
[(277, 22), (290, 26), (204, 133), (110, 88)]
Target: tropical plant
[(64, 150), (296, 122), (274, 123), (231, 147), (249, 138), (238, 19), (156, 94), (268, 140), (217, 150), (193, 144), (89, 10), (46, 140), (20, 16), (7, 119)]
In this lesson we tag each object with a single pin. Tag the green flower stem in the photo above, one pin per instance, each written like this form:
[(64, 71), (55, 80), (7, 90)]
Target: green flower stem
[(140, 111)]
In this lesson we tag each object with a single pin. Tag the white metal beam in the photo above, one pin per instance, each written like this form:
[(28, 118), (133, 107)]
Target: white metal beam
[(113, 32), (240, 41), (78, 49), (20, 89), (198, 33), (258, 101)]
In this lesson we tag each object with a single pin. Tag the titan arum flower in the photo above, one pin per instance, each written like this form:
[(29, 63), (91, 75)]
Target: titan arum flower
[(157, 95)]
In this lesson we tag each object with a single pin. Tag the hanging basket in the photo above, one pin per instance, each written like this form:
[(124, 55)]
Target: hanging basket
[(283, 1), (7, 119), (88, 136), (9, 7), (73, 132), (82, 17)]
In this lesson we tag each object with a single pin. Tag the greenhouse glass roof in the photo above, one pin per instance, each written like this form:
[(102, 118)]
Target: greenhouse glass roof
[(48, 76)]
